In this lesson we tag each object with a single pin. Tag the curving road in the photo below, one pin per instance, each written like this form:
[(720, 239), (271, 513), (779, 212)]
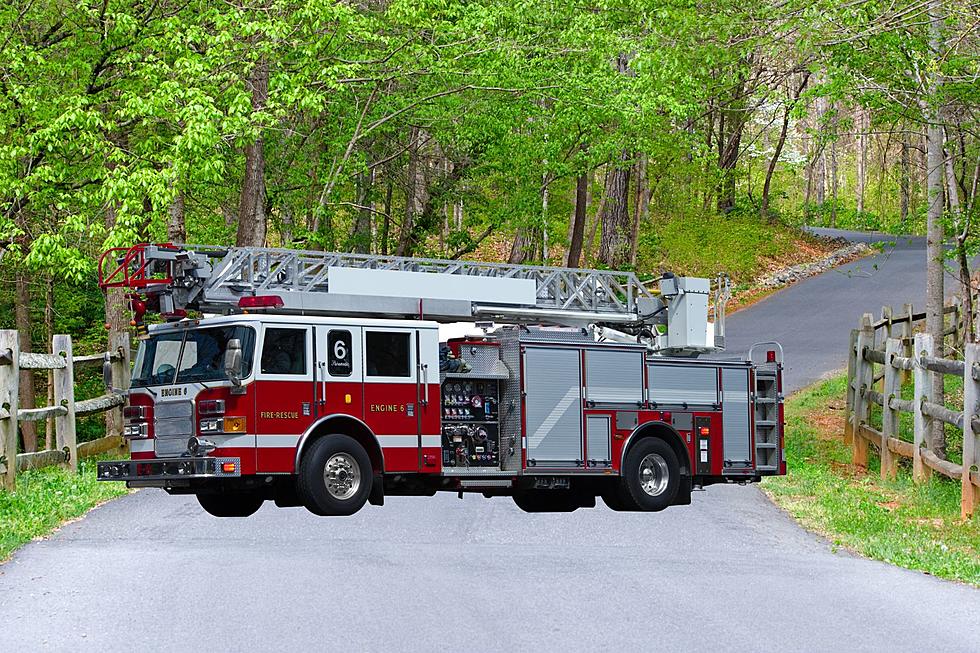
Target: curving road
[(730, 572)]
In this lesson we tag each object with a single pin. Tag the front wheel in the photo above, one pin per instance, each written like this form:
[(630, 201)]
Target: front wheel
[(335, 476), (230, 505), (651, 475)]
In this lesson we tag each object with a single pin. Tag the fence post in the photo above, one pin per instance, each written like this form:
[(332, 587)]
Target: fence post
[(925, 345), (9, 395), (905, 333), (863, 377), (119, 349), (851, 384), (64, 395), (889, 416), (970, 498)]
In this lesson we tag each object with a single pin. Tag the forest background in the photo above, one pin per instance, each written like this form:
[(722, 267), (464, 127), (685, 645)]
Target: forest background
[(698, 136)]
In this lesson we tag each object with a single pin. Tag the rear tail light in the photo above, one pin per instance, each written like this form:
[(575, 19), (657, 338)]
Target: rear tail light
[(261, 301)]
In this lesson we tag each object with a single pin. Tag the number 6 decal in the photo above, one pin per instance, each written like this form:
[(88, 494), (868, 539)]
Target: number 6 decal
[(339, 346)]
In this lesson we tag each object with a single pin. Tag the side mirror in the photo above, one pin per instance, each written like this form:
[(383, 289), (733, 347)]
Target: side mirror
[(107, 372), (233, 361)]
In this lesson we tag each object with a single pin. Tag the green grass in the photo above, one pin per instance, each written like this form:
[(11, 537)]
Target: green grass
[(47, 498), (706, 245), (913, 526)]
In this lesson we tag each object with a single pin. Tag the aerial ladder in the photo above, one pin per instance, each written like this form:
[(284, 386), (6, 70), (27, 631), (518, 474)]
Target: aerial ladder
[(173, 279)]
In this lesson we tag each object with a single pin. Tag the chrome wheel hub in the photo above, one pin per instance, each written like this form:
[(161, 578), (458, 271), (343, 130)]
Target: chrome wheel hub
[(654, 474), (342, 476)]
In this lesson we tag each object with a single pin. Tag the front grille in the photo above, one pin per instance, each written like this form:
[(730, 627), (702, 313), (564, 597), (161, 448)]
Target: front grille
[(173, 425)]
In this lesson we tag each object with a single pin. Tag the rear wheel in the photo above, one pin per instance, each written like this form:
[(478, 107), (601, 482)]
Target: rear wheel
[(651, 475), (230, 505), (335, 476)]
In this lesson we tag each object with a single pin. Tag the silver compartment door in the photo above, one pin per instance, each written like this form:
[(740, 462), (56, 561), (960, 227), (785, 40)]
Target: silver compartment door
[(614, 376), (597, 434), (553, 406), (680, 384), (735, 417)]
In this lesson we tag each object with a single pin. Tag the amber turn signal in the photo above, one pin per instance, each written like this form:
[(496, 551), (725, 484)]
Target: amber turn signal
[(234, 424)]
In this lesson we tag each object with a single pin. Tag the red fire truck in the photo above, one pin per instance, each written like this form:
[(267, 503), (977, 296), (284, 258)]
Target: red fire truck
[(320, 380)]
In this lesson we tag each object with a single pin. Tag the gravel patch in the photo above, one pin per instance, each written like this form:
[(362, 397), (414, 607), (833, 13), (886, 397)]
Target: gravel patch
[(801, 271)]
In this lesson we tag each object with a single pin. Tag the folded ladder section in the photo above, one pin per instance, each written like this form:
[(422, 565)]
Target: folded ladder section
[(309, 282)]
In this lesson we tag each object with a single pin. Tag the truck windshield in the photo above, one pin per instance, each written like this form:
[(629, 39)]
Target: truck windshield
[(190, 355)]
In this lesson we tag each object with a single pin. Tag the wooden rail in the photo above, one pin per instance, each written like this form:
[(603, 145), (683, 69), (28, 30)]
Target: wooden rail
[(65, 409), (890, 345)]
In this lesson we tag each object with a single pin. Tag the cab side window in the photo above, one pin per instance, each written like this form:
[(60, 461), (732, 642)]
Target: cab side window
[(388, 353), (284, 351)]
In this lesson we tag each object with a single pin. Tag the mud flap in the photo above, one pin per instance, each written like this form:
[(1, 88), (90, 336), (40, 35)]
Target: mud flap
[(377, 496)]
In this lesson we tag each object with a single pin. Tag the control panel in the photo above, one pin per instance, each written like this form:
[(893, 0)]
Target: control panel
[(470, 427)]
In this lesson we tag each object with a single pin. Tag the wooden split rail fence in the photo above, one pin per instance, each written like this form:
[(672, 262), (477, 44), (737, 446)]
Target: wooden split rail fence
[(883, 355), (62, 363)]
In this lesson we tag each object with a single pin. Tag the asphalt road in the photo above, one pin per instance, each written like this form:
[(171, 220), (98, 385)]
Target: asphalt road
[(730, 572), (813, 318)]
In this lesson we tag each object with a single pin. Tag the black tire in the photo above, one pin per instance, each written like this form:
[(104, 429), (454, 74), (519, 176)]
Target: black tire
[(351, 476), (651, 475), (546, 501), (230, 505)]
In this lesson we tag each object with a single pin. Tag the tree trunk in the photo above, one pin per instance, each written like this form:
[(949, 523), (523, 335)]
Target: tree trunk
[(116, 322), (832, 173), (22, 318), (934, 226), (962, 237), (904, 181), (862, 158), (414, 196), (820, 170), (49, 336), (574, 257), (522, 248), (361, 238), (251, 205), (544, 219), (640, 207), (764, 205), (176, 229), (779, 147), (386, 224), (593, 226), (615, 218)]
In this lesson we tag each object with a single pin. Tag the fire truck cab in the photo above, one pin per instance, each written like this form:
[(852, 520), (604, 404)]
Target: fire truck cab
[(307, 407)]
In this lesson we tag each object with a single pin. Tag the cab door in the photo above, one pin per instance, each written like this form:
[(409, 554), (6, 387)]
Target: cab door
[(339, 373), (391, 394), (284, 391)]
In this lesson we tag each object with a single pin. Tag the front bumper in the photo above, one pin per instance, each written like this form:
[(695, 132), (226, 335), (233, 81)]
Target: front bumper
[(168, 469)]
